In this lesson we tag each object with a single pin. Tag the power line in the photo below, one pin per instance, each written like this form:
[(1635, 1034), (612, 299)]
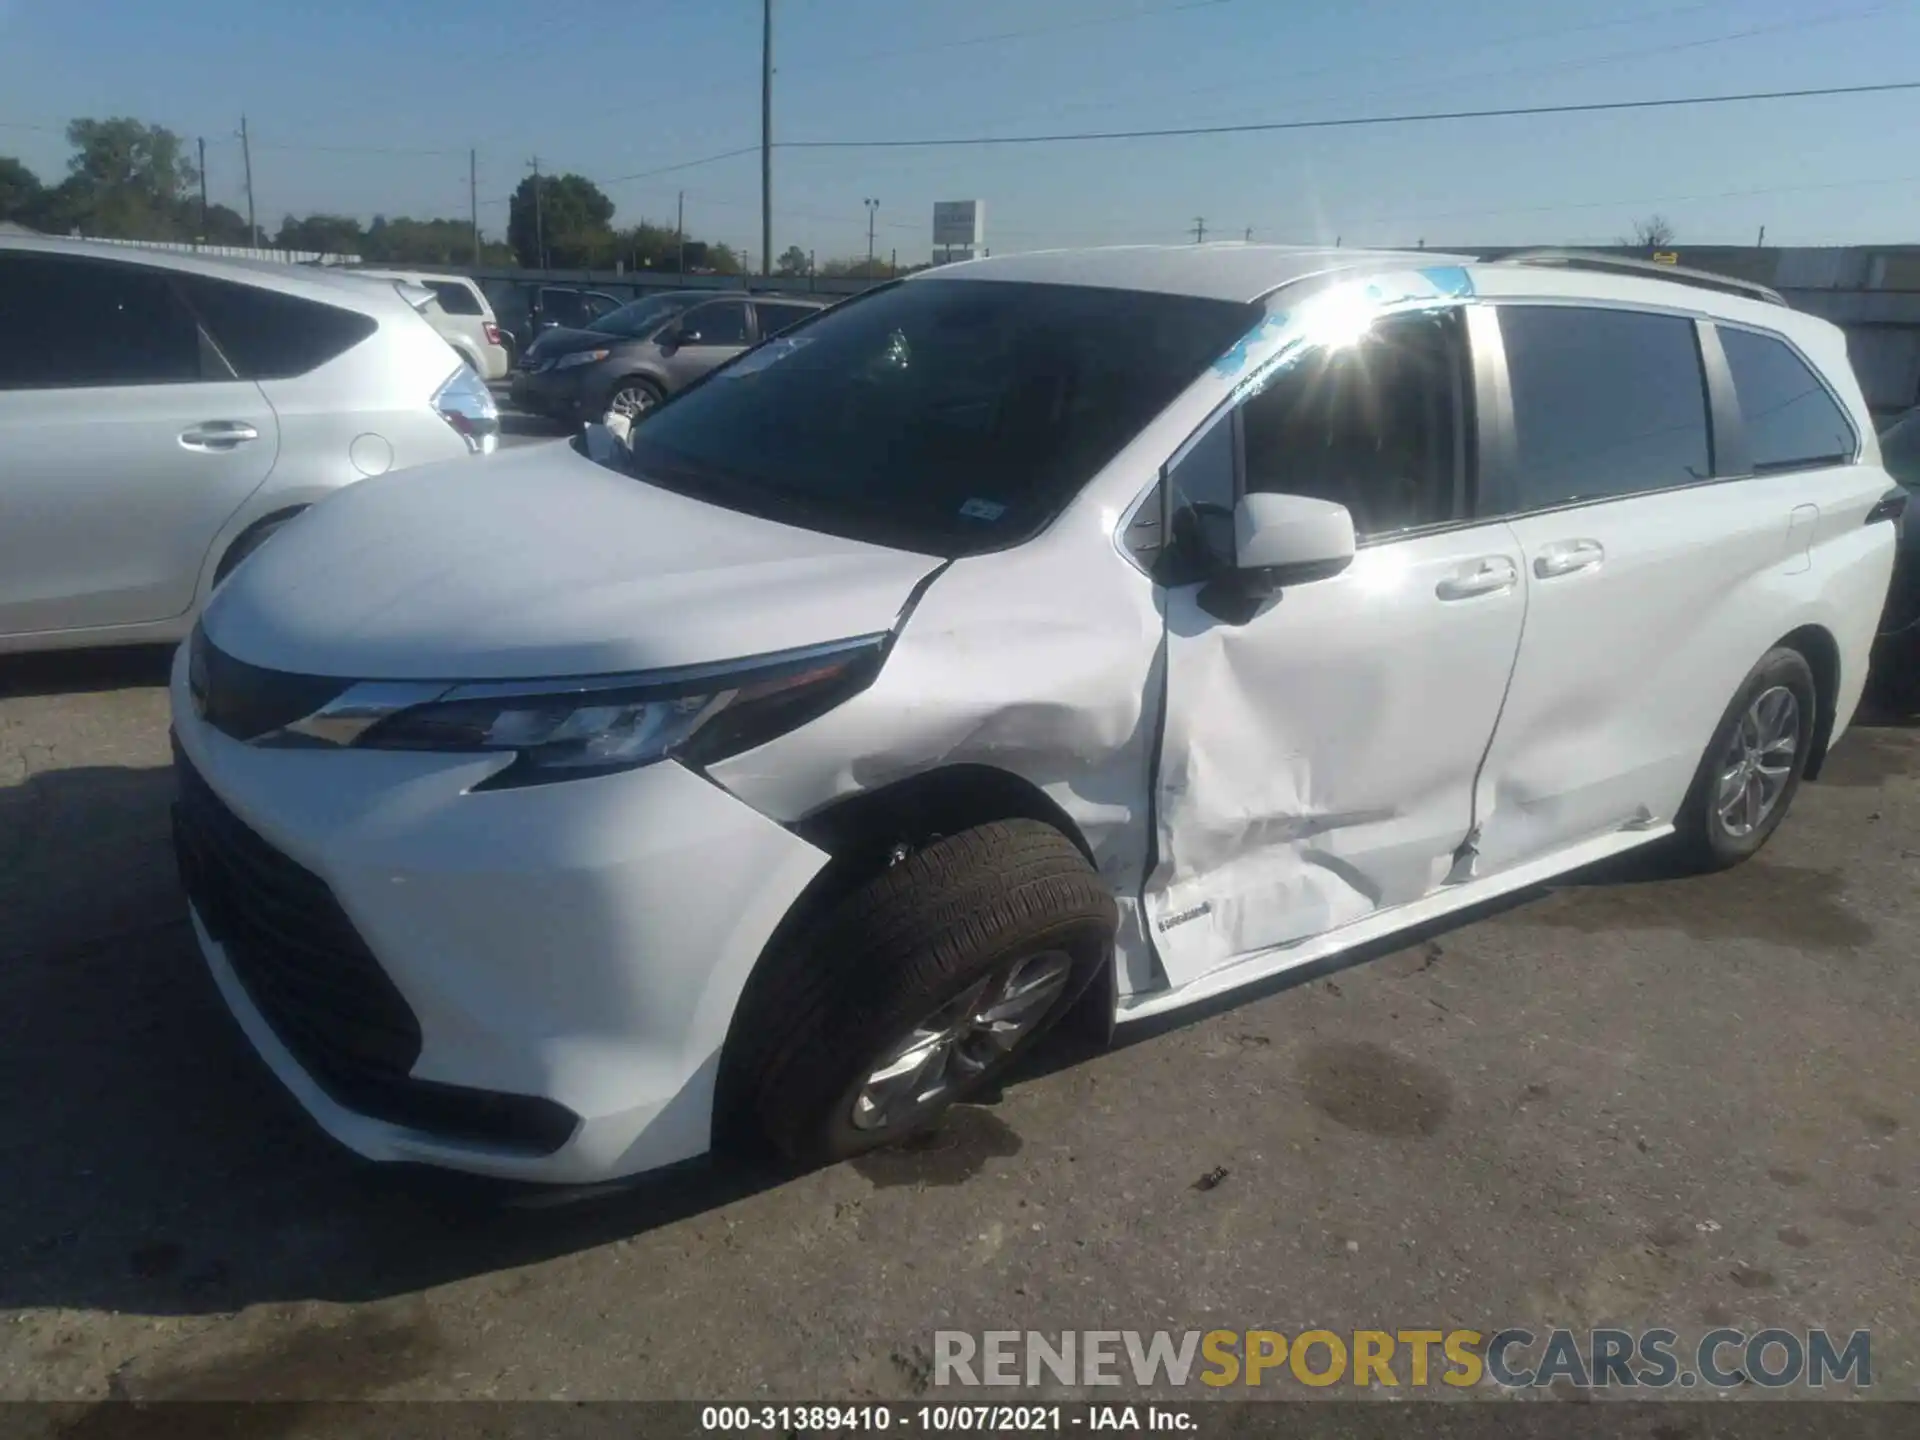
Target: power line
[(1349, 121), (682, 165)]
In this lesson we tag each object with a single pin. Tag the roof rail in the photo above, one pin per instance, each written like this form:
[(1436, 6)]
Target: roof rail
[(1646, 269)]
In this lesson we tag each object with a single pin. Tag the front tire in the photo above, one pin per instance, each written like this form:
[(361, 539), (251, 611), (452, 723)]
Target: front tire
[(920, 988), (1752, 767)]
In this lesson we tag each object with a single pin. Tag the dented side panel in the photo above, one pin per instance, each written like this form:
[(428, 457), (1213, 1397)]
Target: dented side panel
[(1043, 662), (1319, 760)]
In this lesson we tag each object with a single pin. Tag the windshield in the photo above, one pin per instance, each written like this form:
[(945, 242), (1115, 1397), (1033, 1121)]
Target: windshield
[(642, 317), (944, 416), (1900, 449)]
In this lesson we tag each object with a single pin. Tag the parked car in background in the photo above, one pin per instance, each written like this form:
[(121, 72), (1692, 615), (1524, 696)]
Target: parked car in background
[(525, 311), (1896, 655), (1132, 625), (628, 361), (162, 414), (464, 317)]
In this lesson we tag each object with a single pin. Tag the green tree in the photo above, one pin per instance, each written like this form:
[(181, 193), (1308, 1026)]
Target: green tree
[(224, 226), (127, 180), (329, 234), (571, 222), (793, 261), (22, 195)]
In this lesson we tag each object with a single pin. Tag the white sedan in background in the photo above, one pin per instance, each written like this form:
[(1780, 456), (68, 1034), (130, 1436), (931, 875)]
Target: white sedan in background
[(162, 414)]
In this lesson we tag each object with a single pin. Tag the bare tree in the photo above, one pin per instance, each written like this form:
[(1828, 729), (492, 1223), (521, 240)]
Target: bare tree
[(1653, 233)]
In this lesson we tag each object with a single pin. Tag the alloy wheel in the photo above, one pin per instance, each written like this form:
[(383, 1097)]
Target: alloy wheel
[(950, 1048), (1758, 762)]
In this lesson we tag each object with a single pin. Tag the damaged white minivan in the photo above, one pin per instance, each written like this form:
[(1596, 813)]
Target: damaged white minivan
[(1115, 628)]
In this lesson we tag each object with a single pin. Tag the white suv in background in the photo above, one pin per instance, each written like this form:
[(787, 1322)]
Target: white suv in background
[(1124, 628), (463, 317), (161, 414)]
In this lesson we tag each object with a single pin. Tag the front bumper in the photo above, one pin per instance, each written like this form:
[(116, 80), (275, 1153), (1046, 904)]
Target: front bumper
[(568, 394), (581, 944)]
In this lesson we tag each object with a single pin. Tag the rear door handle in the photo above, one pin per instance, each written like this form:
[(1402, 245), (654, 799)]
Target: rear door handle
[(1488, 575), (1565, 557), (218, 435)]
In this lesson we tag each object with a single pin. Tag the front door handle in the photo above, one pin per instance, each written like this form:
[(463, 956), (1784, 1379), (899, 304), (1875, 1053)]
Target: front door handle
[(1488, 575), (218, 435), (1565, 557)]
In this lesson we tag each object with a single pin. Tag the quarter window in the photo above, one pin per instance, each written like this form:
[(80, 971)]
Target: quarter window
[(69, 323), (775, 318), (455, 298), (1792, 421), (1605, 403), (266, 335)]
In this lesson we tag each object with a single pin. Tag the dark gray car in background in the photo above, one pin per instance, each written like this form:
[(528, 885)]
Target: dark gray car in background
[(628, 361)]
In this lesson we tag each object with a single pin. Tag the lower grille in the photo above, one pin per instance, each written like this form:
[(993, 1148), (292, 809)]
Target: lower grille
[(315, 982)]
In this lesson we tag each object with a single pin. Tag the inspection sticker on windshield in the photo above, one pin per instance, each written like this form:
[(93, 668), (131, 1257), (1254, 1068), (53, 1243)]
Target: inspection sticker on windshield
[(982, 510)]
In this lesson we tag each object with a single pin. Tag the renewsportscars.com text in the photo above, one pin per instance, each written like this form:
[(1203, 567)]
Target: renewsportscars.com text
[(1512, 1358)]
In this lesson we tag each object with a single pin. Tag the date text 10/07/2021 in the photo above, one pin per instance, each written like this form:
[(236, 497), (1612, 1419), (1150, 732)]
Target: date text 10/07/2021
[(987, 1419)]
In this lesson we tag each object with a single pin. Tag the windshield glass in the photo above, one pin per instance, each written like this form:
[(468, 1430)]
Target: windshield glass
[(944, 416), (1900, 449), (642, 316)]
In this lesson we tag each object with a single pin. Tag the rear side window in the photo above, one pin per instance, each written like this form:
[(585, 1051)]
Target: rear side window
[(1792, 421), (67, 323), (269, 336), (1605, 403), (455, 298)]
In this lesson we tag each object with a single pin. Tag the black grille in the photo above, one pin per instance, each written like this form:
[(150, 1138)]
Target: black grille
[(319, 987)]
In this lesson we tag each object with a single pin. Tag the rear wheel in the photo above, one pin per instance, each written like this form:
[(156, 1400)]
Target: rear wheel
[(1753, 766), (920, 988)]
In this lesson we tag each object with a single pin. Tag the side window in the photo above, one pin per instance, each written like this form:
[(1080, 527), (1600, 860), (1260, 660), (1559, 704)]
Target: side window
[(722, 323), (455, 298), (266, 335), (1605, 403), (565, 308), (1378, 426), (775, 318), (1792, 422), (71, 323)]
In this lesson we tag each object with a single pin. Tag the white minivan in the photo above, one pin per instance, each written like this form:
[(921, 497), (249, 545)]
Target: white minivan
[(1113, 628)]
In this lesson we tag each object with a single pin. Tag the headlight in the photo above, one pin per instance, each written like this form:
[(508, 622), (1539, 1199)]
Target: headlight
[(581, 357), (561, 729)]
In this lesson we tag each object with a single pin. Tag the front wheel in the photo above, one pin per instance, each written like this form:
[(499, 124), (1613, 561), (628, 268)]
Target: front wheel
[(1753, 765), (920, 988), (633, 398)]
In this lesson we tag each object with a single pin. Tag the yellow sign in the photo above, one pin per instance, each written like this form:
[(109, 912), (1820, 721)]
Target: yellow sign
[(1666, 257)]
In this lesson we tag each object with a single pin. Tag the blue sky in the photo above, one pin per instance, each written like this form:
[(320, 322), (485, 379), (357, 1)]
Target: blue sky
[(343, 98)]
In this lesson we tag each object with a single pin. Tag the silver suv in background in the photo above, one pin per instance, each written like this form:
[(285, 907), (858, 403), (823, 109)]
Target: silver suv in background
[(463, 317), (161, 414)]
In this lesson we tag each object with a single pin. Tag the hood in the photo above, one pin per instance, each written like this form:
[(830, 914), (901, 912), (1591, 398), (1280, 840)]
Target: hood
[(562, 341), (539, 562)]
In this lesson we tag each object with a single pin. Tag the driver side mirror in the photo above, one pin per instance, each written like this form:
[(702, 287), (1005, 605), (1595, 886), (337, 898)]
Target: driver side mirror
[(671, 338), (1279, 540)]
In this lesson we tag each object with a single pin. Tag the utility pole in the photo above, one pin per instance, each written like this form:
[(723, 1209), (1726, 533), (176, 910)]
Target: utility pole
[(246, 158), (766, 137), (872, 206), (1760, 244), (203, 187), (1199, 229), (680, 232), (473, 199), (539, 219), (893, 264)]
